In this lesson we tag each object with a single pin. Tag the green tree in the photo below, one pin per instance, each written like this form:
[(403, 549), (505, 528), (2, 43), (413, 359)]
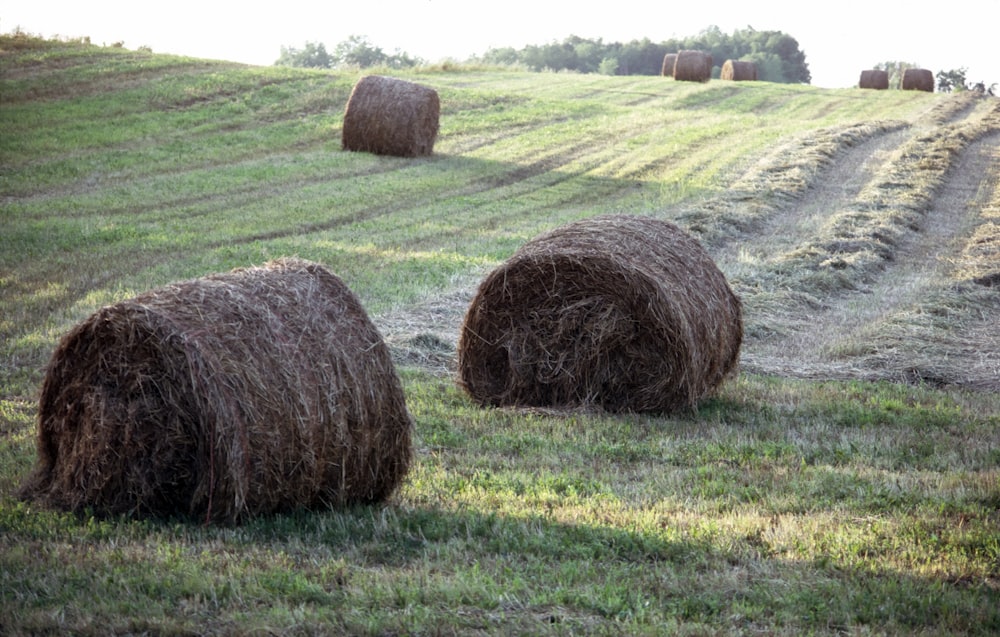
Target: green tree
[(953, 80), (608, 66), (505, 56), (769, 66), (312, 55), (355, 52), (641, 57), (358, 51), (793, 61)]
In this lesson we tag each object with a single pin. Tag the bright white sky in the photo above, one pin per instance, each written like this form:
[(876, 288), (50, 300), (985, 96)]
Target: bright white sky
[(840, 39)]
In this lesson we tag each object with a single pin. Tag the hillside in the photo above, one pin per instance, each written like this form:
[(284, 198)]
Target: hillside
[(846, 481), (861, 212)]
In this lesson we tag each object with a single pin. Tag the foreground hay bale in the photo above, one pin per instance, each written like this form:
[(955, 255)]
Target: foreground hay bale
[(739, 71), (668, 65), (255, 391), (621, 312), (874, 79), (918, 80), (387, 116), (693, 66)]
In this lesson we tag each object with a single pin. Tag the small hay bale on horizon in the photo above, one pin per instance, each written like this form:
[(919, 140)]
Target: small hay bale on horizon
[(739, 71), (389, 116), (874, 79), (252, 392), (917, 80), (619, 312), (667, 69), (693, 66)]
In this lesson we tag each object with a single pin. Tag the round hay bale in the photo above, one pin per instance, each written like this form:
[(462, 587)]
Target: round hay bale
[(619, 312), (387, 116), (256, 391), (693, 66), (668, 65), (739, 71), (918, 80), (874, 79)]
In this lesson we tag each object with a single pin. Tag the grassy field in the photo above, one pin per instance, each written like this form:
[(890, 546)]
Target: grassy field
[(847, 481)]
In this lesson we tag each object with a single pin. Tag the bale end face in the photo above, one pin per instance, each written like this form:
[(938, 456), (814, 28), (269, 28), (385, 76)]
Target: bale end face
[(738, 71), (669, 60)]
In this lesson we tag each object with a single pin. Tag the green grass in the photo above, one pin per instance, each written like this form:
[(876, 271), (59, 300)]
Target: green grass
[(779, 507)]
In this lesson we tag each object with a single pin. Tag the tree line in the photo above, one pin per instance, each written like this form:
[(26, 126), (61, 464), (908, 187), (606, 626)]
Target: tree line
[(776, 54)]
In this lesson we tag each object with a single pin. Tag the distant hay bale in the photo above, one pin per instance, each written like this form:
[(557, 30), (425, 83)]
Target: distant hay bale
[(251, 392), (620, 312), (693, 66), (668, 65), (918, 80), (387, 116), (739, 71), (874, 79)]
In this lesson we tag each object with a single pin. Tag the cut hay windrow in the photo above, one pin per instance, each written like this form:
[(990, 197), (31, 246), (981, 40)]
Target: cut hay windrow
[(739, 71), (874, 79), (693, 66), (918, 80), (618, 312), (388, 116), (260, 390), (668, 65)]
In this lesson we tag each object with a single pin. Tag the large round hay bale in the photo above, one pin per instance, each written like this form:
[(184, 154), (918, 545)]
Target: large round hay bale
[(255, 391), (918, 80), (738, 71), (619, 312), (668, 65), (388, 116), (874, 79), (693, 66)]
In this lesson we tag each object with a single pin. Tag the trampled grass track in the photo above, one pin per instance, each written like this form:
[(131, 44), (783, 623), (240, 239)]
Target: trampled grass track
[(869, 259)]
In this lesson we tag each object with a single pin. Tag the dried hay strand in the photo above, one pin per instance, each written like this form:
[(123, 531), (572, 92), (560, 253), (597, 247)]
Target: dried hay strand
[(918, 80), (251, 392), (623, 313), (874, 79), (388, 116), (739, 71), (668, 65), (693, 66)]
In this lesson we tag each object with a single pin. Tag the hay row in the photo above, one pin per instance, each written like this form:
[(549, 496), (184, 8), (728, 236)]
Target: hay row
[(620, 312), (239, 394)]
